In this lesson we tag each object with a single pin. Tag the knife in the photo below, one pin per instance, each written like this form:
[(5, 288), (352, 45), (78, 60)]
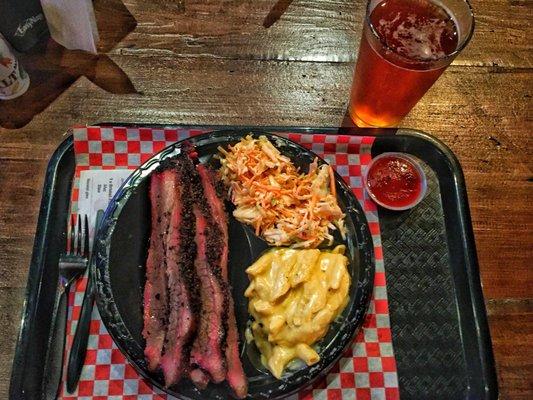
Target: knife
[(54, 358), (78, 350)]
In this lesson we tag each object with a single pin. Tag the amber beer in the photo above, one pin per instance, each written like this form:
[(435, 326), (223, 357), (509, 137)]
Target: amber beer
[(406, 45)]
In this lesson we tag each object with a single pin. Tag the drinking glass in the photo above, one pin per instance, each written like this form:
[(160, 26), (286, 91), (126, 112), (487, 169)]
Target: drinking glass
[(406, 45)]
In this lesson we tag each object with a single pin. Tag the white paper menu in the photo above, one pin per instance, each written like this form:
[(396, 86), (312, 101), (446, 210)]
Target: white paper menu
[(96, 189)]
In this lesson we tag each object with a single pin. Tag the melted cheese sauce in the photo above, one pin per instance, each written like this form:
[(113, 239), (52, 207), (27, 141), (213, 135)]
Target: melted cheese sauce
[(293, 296)]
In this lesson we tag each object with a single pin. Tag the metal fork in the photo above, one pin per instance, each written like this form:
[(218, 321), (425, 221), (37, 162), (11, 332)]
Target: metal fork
[(78, 349), (71, 266)]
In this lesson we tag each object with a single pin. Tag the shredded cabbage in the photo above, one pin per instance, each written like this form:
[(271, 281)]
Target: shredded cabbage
[(284, 206)]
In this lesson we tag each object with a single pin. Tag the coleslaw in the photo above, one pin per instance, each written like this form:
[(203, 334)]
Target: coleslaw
[(283, 205)]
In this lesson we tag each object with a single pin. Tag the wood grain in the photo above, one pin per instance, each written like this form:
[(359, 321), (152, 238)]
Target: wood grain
[(17, 224), (212, 62), (311, 30), (511, 324), (10, 312)]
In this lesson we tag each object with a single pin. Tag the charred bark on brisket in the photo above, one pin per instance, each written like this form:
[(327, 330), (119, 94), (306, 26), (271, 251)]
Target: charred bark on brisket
[(182, 282), (189, 320), (234, 371), (207, 353), (162, 187)]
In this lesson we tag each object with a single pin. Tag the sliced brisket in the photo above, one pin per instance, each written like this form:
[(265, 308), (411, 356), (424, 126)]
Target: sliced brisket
[(189, 319), (162, 187), (181, 279), (234, 374), (208, 349)]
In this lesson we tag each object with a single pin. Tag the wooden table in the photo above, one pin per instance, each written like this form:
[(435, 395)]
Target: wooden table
[(214, 62)]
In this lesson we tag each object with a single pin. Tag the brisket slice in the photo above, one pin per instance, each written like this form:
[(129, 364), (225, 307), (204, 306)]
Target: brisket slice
[(162, 186), (181, 279), (207, 353), (189, 320), (235, 374)]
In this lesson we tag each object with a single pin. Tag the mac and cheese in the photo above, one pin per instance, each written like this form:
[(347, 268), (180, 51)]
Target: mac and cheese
[(293, 297)]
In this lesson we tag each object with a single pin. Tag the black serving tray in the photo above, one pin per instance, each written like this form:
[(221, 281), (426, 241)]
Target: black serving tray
[(439, 328)]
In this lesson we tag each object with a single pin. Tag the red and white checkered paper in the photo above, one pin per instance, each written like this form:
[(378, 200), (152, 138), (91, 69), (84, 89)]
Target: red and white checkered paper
[(367, 370)]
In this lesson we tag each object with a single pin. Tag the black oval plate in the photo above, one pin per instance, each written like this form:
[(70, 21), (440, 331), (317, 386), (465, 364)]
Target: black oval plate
[(122, 244)]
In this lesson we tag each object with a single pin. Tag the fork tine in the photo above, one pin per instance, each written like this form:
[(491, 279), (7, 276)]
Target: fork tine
[(78, 237), (70, 249), (86, 238)]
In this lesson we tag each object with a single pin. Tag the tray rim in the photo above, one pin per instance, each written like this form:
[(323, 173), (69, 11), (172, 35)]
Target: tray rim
[(474, 289), (36, 268)]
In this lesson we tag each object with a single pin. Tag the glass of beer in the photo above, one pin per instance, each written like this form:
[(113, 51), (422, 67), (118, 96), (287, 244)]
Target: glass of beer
[(406, 45)]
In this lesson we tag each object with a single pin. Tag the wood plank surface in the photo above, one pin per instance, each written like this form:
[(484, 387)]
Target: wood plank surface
[(10, 312), (311, 30), (212, 62), (511, 323)]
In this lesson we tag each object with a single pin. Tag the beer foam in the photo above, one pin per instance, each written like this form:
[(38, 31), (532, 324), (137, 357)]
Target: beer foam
[(416, 39), (415, 29)]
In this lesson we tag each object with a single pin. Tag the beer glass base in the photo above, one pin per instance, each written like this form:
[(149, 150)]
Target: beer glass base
[(363, 124)]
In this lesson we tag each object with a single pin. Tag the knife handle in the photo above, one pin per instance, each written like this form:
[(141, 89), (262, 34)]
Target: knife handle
[(54, 358), (78, 350)]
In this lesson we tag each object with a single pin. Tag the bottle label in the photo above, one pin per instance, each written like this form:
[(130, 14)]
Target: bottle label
[(28, 23), (14, 81)]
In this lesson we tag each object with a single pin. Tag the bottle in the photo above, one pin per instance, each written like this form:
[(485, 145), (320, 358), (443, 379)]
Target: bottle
[(23, 24), (14, 81)]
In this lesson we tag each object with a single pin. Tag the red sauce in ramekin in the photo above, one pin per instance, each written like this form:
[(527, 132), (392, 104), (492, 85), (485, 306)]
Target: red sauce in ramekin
[(395, 182)]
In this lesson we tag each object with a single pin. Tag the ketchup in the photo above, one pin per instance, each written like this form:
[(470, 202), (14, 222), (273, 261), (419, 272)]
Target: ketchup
[(394, 181)]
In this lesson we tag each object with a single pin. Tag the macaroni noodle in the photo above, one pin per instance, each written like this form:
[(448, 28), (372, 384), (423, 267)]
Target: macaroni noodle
[(293, 297)]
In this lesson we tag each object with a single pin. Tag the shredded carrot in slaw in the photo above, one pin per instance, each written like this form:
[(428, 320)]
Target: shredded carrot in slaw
[(282, 204)]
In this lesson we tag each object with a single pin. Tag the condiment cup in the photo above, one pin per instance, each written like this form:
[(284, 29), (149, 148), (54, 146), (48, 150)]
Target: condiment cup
[(414, 162)]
